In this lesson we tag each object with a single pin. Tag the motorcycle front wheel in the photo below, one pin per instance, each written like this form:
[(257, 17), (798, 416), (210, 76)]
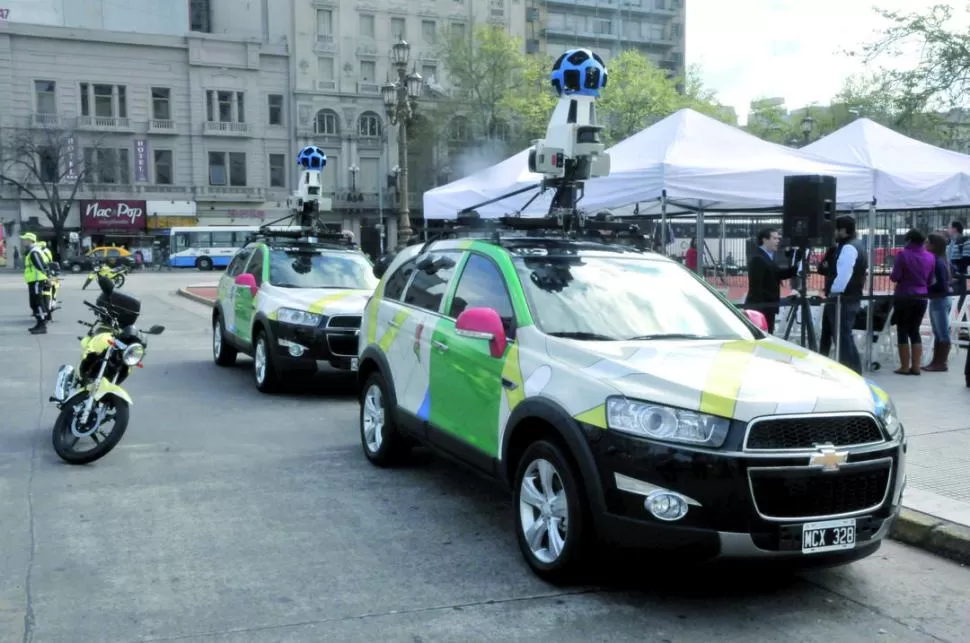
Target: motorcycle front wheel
[(66, 438), (119, 281)]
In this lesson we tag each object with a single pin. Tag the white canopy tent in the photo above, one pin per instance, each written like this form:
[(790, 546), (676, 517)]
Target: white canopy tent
[(906, 174), (687, 161)]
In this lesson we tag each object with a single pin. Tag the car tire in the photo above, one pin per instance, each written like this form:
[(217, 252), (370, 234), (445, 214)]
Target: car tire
[(204, 263), (222, 353), (75, 268), (264, 369), (551, 523), (380, 439)]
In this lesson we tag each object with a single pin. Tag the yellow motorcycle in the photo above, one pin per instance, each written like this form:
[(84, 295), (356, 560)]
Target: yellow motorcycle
[(93, 406), (116, 275), (51, 287)]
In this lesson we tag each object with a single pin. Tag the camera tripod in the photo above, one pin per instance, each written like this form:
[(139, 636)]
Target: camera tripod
[(802, 306)]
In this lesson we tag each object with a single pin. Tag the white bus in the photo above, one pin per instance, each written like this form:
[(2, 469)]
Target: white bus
[(206, 247)]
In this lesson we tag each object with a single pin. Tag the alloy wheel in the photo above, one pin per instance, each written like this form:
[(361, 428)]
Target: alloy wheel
[(543, 510)]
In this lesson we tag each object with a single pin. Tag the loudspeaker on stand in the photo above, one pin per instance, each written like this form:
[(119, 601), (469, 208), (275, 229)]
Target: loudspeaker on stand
[(808, 213)]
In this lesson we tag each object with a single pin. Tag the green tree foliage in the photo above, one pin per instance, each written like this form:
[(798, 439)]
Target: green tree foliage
[(940, 79), (771, 122), (533, 100), (637, 95)]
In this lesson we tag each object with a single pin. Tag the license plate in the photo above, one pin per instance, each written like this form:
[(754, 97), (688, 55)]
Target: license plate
[(831, 535), (353, 363)]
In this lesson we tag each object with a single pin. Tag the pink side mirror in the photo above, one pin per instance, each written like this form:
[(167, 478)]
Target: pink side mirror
[(248, 281), (483, 323), (757, 318)]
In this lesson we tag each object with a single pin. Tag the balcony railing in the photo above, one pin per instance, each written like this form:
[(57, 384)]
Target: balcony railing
[(104, 123), (47, 121), (227, 129), (230, 192), (162, 126)]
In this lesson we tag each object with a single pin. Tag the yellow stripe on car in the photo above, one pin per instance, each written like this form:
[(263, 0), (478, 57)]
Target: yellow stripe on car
[(595, 416), (318, 306), (388, 338), (512, 371), (720, 396)]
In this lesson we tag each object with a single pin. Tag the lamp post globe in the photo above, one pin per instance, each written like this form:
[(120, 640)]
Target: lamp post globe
[(415, 84), (808, 124), (400, 52), (389, 95)]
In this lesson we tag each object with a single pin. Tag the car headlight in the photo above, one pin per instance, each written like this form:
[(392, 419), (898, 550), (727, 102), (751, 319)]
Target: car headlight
[(298, 317), (659, 422), (886, 412), (133, 355)]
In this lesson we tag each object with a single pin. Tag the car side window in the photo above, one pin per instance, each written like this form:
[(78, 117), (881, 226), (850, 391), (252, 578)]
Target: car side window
[(114, 253), (481, 285), (255, 266), (428, 288), (394, 288), (237, 263)]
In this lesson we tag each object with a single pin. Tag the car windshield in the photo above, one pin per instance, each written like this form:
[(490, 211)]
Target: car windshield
[(624, 298), (300, 269)]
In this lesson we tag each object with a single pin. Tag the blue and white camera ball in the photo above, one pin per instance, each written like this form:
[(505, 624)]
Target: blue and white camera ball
[(579, 71), (311, 157)]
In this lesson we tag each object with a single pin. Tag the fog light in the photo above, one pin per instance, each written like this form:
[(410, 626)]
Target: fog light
[(296, 350), (666, 505)]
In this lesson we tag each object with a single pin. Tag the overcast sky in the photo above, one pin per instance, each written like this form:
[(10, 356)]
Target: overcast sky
[(750, 49)]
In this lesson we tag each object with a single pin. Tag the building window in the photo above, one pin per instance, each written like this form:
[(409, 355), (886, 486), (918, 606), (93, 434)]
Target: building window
[(107, 165), (326, 123), (45, 96), (277, 170), (233, 173), (660, 4), (366, 27), (429, 73), (398, 29), (325, 69), (429, 31), (48, 165), (458, 30), (370, 125), (324, 24), (199, 16), (104, 101), (162, 103), (368, 71), (601, 26), (275, 104), (655, 31), (225, 106), (164, 174)]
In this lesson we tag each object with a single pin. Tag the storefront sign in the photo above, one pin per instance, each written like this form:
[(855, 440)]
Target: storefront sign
[(113, 215), (248, 214), (71, 158), (156, 222), (141, 160)]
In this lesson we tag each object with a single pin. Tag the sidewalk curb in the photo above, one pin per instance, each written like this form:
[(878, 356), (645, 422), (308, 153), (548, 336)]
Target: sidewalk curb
[(191, 296), (935, 535)]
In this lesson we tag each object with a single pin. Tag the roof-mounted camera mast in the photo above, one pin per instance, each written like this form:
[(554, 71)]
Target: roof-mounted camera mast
[(305, 206)]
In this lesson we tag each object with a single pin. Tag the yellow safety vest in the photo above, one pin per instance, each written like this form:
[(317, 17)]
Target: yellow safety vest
[(48, 255), (31, 272)]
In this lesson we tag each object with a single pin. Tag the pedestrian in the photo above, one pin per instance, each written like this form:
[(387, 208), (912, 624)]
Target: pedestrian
[(826, 268), (765, 276), (958, 252), (939, 303), (690, 257), (35, 274), (848, 278), (912, 273)]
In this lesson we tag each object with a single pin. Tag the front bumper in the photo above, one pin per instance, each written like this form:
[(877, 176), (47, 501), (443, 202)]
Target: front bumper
[(334, 341), (744, 505)]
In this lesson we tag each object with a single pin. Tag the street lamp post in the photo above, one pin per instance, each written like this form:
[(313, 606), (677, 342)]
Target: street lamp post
[(808, 124), (400, 100), (353, 169)]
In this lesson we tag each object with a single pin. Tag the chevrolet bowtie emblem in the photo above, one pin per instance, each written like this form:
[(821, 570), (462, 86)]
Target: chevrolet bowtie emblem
[(828, 458)]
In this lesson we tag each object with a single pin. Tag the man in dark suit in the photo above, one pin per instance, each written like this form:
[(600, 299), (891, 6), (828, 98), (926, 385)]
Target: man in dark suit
[(765, 275)]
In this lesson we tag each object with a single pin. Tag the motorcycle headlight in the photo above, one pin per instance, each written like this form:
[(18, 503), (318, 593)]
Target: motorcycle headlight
[(659, 422), (298, 317), (133, 355)]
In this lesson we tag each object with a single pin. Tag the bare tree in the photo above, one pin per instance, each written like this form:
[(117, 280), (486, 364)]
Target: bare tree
[(46, 166)]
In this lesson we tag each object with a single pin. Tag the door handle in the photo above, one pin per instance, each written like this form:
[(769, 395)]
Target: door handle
[(441, 346), (394, 324)]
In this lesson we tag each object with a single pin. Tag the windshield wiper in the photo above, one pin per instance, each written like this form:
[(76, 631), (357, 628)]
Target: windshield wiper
[(583, 335), (665, 336)]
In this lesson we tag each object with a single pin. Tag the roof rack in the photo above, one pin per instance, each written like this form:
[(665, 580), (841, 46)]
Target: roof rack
[(517, 231), (304, 238)]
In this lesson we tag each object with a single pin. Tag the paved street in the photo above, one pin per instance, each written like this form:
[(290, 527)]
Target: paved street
[(229, 516)]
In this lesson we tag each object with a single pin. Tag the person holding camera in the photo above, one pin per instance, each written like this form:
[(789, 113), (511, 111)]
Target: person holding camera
[(765, 276)]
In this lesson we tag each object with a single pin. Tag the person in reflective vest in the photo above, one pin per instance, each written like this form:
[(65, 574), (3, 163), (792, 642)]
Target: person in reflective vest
[(36, 272), (53, 283)]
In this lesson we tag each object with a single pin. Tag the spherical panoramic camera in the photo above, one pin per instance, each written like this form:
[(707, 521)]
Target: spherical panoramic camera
[(579, 71), (311, 157)]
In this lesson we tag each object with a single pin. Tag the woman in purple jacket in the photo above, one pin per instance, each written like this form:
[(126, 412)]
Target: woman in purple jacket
[(912, 273), (939, 303)]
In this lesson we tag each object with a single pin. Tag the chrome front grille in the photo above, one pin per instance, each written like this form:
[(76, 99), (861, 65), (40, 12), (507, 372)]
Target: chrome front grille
[(342, 332), (788, 433)]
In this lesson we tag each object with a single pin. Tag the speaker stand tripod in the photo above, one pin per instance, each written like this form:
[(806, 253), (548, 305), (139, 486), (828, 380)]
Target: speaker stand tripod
[(802, 306)]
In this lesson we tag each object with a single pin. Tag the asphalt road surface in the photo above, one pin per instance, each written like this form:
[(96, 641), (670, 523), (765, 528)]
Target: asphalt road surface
[(229, 516)]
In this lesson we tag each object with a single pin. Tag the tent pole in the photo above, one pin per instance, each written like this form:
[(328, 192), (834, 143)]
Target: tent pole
[(699, 234), (871, 254), (663, 222)]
